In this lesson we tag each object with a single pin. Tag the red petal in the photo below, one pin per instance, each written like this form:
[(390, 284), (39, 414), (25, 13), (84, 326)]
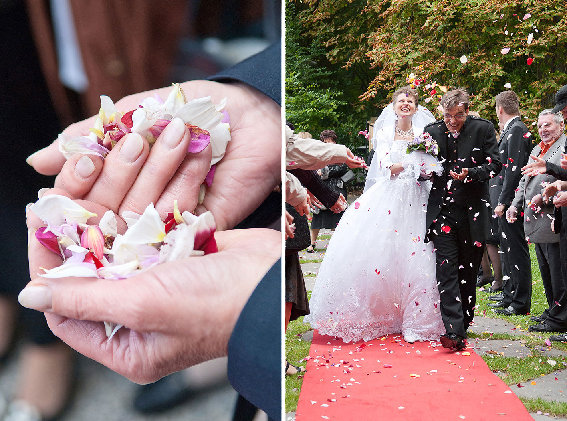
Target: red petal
[(127, 119), (530, 60)]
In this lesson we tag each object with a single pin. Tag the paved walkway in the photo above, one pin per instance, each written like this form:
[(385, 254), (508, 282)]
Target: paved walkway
[(551, 387), (102, 395)]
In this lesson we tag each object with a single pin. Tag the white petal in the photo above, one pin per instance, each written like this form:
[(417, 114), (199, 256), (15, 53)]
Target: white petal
[(70, 146), (178, 243), (220, 136), (55, 210), (108, 224), (141, 122), (82, 270), (200, 112), (121, 271), (130, 217), (175, 100), (148, 229)]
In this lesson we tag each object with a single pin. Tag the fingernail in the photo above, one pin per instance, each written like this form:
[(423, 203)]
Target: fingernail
[(174, 132), (41, 192), (84, 167), (30, 158), (36, 298), (132, 147)]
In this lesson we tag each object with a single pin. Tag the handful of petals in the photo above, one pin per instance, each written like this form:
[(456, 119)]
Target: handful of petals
[(207, 124), (98, 251)]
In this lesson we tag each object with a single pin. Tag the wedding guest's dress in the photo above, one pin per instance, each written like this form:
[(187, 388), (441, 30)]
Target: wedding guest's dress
[(378, 276)]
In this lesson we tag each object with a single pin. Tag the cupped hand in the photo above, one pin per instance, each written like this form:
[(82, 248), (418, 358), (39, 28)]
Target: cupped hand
[(560, 199), (176, 314), (246, 175), (499, 210), (459, 176)]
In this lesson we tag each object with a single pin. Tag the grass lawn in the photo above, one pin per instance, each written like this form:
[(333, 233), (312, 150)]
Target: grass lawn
[(511, 369)]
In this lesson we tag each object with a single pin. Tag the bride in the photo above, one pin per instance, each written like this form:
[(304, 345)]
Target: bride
[(378, 276)]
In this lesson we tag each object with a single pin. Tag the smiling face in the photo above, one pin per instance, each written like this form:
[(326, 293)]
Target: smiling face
[(455, 117), (405, 106), (549, 130)]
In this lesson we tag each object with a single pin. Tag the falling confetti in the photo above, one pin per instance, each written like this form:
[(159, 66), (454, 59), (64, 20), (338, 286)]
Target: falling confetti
[(464, 59), (505, 50), (530, 60)]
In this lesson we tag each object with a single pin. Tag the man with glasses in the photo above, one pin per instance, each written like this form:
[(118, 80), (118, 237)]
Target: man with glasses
[(458, 210)]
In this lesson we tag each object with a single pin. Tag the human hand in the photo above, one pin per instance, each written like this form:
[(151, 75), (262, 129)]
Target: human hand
[(340, 205), (303, 207), (354, 161), (176, 314), (563, 161), (460, 176), (511, 214), (247, 173), (499, 211), (289, 226), (537, 200), (560, 199), (537, 166), (315, 203)]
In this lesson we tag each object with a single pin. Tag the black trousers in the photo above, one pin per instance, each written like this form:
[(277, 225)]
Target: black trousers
[(457, 261), (549, 261), (516, 265), (557, 317)]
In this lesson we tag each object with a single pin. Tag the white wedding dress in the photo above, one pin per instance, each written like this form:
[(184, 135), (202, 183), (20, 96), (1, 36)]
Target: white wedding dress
[(378, 276)]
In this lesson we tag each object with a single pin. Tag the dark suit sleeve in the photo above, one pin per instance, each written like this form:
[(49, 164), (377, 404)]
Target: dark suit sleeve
[(315, 185), (261, 71), (517, 150), (492, 165), (555, 171), (254, 350)]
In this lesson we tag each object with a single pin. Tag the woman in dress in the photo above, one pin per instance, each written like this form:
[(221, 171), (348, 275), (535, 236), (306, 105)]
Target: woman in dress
[(378, 276)]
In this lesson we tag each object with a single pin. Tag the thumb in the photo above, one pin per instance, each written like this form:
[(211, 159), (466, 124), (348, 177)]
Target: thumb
[(97, 300), (47, 161)]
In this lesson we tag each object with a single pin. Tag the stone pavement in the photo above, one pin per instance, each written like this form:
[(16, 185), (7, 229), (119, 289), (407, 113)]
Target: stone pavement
[(551, 387), (100, 394)]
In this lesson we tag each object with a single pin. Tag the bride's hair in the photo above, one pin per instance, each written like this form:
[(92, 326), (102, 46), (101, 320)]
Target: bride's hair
[(408, 91)]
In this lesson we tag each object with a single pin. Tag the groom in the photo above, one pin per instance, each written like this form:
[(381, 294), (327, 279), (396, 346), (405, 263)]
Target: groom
[(458, 209)]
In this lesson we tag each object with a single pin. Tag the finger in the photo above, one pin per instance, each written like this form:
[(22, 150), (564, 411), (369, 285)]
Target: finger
[(169, 168), (79, 174), (50, 160), (121, 167)]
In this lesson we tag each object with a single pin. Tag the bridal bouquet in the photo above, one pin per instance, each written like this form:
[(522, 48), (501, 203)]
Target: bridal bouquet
[(207, 124), (424, 143), (99, 251), (422, 155)]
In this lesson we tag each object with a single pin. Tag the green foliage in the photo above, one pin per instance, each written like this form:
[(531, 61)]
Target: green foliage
[(557, 409), (295, 350), (372, 46)]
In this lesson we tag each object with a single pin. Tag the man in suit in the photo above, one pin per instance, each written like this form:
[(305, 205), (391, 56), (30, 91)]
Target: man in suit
[(538, 214), (457, 211), (515, 147), (557, 192)]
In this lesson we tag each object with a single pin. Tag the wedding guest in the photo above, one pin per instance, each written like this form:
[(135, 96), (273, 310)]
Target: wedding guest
[(537, 218), (303, 154), (323, 218), (557, 317), (515, 147)]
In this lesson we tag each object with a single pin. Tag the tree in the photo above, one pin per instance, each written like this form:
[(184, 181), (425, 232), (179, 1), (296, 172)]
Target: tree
[(483, 46)]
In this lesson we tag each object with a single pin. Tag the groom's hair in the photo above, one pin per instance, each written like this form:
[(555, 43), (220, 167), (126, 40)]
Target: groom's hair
[(509, 102), (455, 98), (328, 134), (408, 91)]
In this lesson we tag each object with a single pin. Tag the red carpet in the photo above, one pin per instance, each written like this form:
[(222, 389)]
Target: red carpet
[(389, 379)]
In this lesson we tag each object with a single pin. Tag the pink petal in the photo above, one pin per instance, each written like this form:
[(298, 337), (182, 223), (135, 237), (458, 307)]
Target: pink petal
[(210, 176), (200, 139), (48, 240)]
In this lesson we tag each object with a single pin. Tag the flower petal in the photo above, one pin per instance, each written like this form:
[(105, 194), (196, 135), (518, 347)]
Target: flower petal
[(70, 146), (55, 210)]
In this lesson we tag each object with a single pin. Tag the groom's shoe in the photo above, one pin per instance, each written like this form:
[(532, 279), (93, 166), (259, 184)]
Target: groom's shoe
[(453, 341), (499, 304), (497, 297)]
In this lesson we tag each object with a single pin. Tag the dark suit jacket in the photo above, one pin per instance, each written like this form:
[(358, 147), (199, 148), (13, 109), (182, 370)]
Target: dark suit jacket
[(476, 150), (515, 151), (254, 350)]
